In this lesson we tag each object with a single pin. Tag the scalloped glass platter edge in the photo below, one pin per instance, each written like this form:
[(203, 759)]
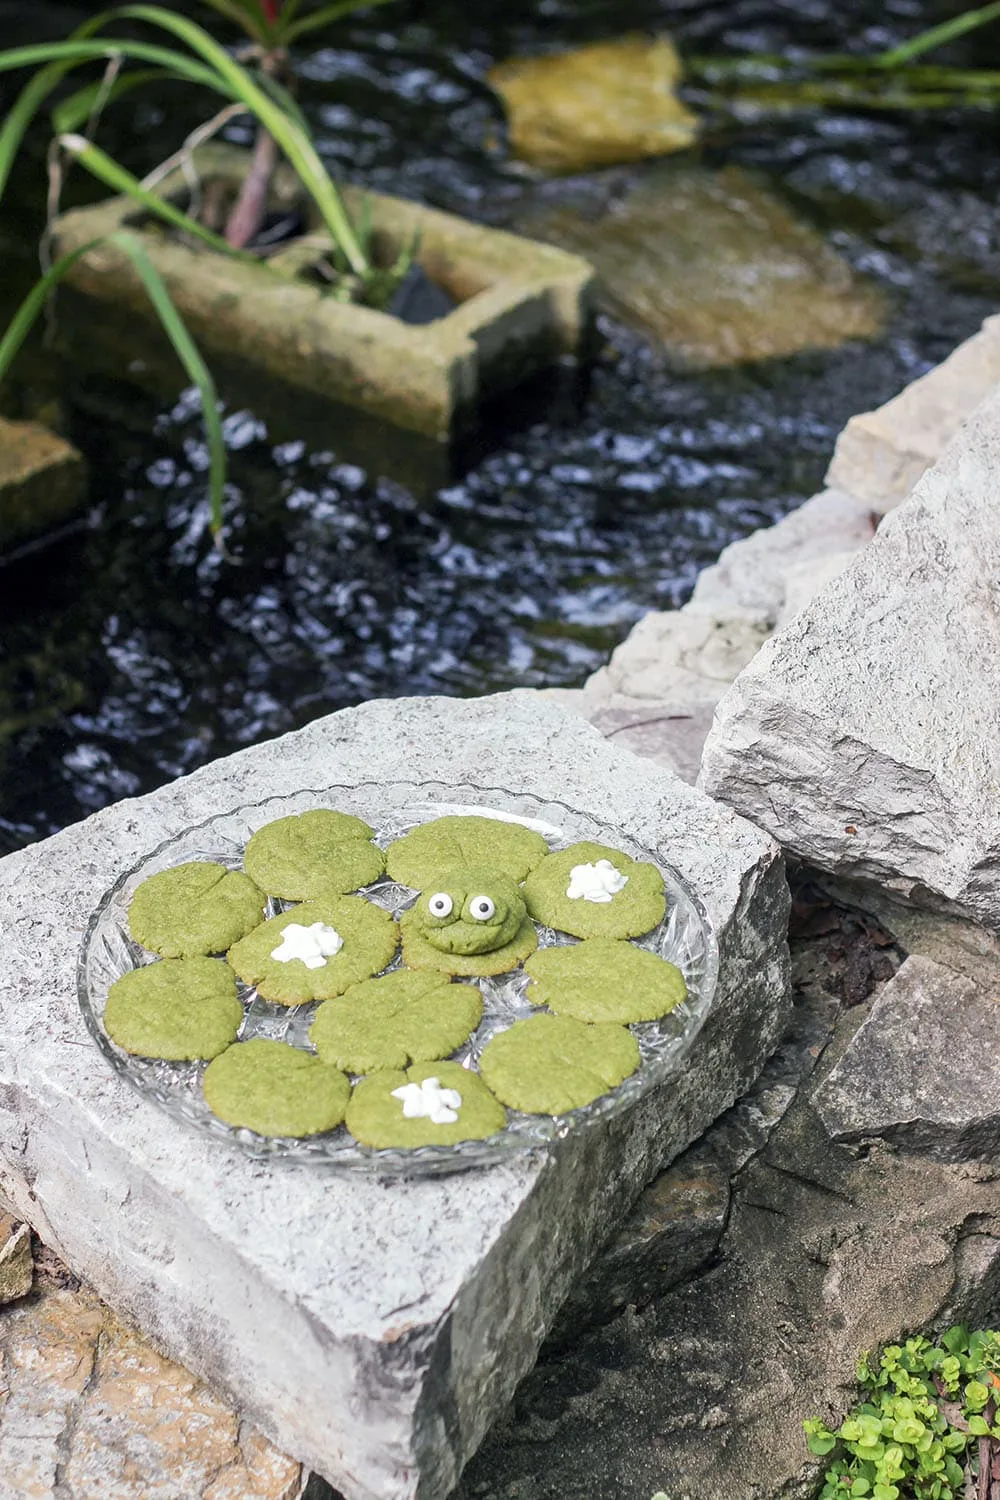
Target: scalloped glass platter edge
[(685, 938)]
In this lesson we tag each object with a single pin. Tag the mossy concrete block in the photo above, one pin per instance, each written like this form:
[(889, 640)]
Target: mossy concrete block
[(41, 482), (374, 1329), (522, 305)]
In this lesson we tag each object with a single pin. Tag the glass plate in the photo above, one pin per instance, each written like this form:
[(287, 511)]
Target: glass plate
[(684, 937)]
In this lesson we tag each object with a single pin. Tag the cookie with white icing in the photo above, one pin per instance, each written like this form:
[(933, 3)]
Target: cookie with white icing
[(591, 890)]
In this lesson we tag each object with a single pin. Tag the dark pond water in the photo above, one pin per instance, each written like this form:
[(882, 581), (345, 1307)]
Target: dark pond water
[(130, 653)]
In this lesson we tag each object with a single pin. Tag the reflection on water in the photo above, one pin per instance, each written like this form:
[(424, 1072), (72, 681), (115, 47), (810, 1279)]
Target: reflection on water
[(130, 653)]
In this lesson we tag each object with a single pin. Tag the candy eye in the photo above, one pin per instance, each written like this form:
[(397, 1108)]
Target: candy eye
[(440, 905), (482, 908)]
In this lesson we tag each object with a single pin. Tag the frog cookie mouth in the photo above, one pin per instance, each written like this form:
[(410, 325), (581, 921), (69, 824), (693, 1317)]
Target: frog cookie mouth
[(468, 912)]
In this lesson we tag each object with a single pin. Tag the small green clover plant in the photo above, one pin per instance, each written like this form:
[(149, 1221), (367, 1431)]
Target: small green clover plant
[(917, 1434)]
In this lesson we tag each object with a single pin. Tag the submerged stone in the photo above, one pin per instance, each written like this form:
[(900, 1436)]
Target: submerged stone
[(715, 266), (41, 482), (595, 106)]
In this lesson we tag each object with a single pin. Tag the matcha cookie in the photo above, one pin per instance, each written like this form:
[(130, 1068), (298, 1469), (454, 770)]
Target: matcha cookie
[(411, 1109), (603, 979), (275, 1089), (401, 1018), (549, 1065), (194, 909), (590, 890), (313, 854), (464, 842), (468, 922), (333, 944), (179, 1009)]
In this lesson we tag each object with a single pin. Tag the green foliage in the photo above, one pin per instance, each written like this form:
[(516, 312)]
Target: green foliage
[(917, 1432)]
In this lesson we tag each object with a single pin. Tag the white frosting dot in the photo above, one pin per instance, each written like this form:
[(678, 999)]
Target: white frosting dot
[(428, 1100), (598, 882), (312, 945)]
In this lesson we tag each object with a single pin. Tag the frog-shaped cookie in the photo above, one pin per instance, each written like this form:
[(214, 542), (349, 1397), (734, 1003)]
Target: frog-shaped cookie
[(469, 922)]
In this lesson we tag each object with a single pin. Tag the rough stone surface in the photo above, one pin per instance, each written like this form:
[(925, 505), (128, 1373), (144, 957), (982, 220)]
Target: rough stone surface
[(675, 654), (17, 1266), (678, 1220), (750, 580), (41, 482), (672, 734), (611, 102), (702, 1394), (373, 1329), (924, 1069), (864, 735), (522, 305), (90, 1411), (712, 265), (881, 454)]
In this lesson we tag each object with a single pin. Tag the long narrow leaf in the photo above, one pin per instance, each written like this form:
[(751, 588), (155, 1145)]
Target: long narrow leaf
[(59, 58), (69, 114), (190, 357), (327, 16), (938, 36), (114, 176), (187, 351), (249, 19), (296, 145)]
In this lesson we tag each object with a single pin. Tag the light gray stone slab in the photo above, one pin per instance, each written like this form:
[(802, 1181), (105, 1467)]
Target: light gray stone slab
[(679, 654), (374, 1330), (751, 578), (923, 1070), (865, 736), (881, 454)]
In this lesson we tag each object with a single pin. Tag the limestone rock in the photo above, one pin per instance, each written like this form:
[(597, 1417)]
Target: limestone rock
[(805, 580), (41, 482), (90, 1411), (716, 267), (751, 580), (671, 734), (923, 1071), (881, 454), (372, 1329), (17, 1266), (611, 102), (864, 736), (675, 654)]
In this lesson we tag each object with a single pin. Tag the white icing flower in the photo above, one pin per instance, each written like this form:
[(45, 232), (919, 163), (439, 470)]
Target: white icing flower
[(313, 945), (595, 882), (428, 1100)]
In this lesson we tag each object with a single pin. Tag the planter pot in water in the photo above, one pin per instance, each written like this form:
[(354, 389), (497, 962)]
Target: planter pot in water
[(520, 305)]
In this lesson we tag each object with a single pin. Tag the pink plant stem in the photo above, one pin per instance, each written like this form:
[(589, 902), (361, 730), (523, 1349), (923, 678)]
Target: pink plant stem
[(250, 208)]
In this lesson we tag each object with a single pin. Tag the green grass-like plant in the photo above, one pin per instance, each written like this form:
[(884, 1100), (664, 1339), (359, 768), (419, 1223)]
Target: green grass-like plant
[(191, 56), (927, 1428)]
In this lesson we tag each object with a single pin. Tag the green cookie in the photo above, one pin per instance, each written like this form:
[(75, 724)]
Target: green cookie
[(376, 1118), (402, 1017), (603, 979), (275, 1089), (178, 1009), (454, 842), (419, 953), (313, 854), (194, 909), (549, 1065), (637, 908), (370, 941)]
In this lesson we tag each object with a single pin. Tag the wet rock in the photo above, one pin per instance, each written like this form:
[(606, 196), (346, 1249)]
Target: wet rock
[(923, 1071), (41, 482), (716, 267), (881, 454), (91, 1411), (17, 1267), (611, 102), (864, 735)]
